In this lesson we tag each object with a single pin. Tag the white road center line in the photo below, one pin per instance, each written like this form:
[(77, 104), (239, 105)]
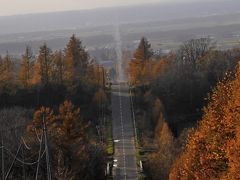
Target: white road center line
[(123, 139)]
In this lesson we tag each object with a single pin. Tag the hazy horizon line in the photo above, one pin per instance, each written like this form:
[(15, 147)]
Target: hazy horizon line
[(107, 7)]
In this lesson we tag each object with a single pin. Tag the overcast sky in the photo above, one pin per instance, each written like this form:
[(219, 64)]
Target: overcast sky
[(10, 7)]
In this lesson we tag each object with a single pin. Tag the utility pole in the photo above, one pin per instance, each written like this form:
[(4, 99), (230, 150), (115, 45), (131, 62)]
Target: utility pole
[(24, 172), (39, 156), (99, 76), (3, 170), (49, 177), (103, 77)]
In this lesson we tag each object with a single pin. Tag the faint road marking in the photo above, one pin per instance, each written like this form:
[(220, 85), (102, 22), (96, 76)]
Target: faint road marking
[(123, 139)]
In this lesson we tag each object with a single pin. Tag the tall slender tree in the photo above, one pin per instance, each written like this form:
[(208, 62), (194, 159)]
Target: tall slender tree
[(58, 67), (76, 59), (26, 68), (144, 51), (6, 70), (44, 66), (140, 65)]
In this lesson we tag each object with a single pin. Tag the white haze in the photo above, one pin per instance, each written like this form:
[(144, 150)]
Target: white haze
[(104, 16), (119, 53), (11, 7)]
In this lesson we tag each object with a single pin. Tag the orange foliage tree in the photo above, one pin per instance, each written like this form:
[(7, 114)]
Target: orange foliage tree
[(6, 71), (44, 66), (76, 59), (143, 68), (26, 68), (140, 64), (67, 133), (67, 125), (212, 151), (159, 163)]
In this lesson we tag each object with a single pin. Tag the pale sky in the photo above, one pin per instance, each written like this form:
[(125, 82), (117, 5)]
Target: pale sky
[(11, 7)]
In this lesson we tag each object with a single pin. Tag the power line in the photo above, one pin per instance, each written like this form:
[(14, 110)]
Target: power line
[(3, 170), (15, 157), (39, 153), (22, 161), (23, 166), (25, 144)]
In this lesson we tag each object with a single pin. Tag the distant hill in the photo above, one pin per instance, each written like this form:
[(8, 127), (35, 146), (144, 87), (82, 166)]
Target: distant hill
[(107, 16)]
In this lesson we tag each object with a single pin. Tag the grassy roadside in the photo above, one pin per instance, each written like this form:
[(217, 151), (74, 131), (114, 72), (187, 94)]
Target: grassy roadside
[(110, 148), (139, 153), (136, 133), (109, 139)]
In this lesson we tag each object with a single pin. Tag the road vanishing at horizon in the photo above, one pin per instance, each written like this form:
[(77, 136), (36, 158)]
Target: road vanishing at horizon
[(125, 163)]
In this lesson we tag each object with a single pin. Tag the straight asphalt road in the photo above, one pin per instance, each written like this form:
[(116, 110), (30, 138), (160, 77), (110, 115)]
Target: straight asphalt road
[(125, 165)]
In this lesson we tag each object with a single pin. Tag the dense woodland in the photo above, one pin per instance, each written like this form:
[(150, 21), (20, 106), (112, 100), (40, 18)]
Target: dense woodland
[(50, 106), (186, 104), (187, 107)]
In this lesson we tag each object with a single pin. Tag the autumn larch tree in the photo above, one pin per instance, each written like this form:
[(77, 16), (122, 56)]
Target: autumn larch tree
[(140, 64), (6, 71), (67, 125), (58, 67), (67, 133), (76, 60), (212, 151), (159, 163), (43, 67), (73, 126), (143, 52), (26, 68), (93, 73)]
